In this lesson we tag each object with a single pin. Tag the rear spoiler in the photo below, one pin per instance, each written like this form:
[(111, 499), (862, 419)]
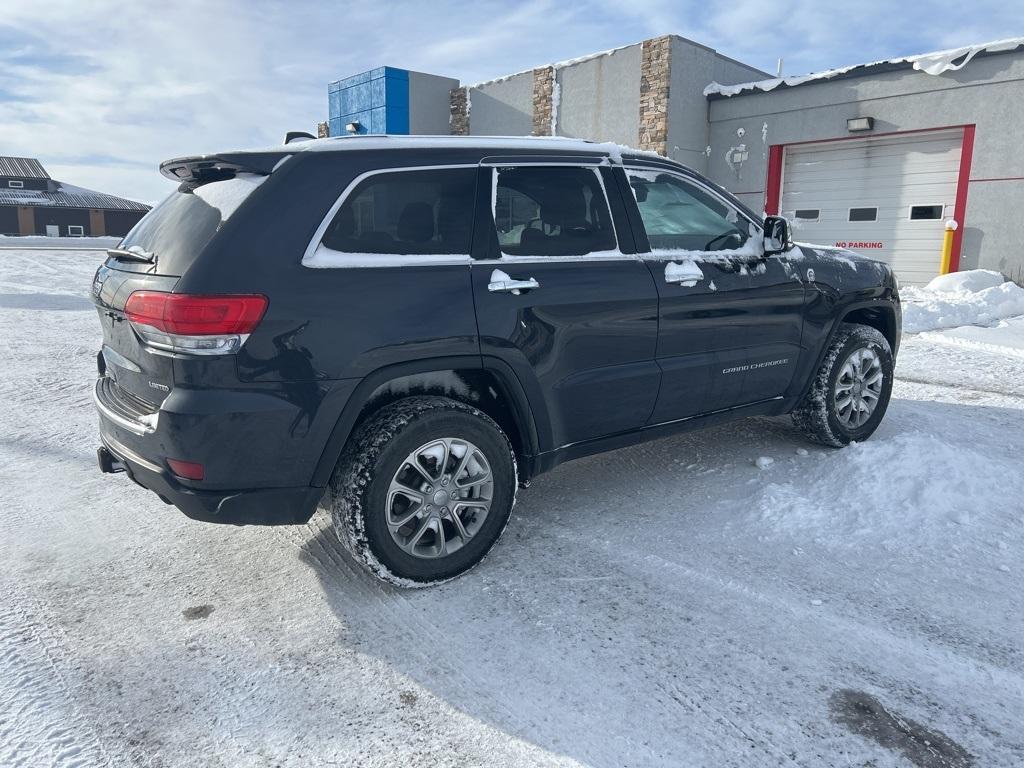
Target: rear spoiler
[(224, 166)]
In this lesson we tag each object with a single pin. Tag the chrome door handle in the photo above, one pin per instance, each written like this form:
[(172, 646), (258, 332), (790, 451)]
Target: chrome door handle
[(512, 285), (502, 283), (686, 273)]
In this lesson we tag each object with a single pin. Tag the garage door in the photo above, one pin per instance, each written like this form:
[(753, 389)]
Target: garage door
[(887, 197)]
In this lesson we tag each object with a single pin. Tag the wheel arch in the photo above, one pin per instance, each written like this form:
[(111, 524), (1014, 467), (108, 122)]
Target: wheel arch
[(880, 314), (877, 315), (485, 383)]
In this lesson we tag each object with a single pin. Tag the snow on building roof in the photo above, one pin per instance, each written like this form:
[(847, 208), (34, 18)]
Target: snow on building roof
[(22, 168), (934, 63), (553, 65), (68, 196)]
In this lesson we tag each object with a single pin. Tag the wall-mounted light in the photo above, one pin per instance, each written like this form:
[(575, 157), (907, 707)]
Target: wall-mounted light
[(354, 127), (855, 124)]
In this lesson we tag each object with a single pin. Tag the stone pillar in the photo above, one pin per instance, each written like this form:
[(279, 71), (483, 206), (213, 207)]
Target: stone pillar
[(26, 220), (543, 93), (97, 223), (323, 130), (459, 116), (655, 74)]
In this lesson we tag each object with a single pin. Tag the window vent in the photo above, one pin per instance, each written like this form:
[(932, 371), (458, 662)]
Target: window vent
[(925, 212)]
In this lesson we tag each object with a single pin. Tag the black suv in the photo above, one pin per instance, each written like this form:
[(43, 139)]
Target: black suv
[(403, 330)]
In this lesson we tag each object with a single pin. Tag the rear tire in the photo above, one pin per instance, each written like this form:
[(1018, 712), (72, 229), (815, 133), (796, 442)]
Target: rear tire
[(850, 391), (423, 490)]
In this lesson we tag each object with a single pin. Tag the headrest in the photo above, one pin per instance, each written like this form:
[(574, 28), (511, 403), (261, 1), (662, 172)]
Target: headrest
[(416, 224), (564, 207)]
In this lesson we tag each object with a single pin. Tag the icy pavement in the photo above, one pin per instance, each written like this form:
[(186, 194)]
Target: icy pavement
[(667, 605)]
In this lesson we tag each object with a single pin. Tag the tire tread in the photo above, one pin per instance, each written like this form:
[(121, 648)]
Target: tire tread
[(350, 483)]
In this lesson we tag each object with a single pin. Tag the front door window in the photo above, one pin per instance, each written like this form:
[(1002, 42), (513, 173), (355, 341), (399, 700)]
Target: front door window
[(680, 216)]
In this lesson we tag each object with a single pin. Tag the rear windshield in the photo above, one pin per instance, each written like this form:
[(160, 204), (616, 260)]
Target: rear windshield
[(178, 229)]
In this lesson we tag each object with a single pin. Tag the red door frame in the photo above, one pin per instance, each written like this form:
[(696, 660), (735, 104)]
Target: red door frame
[(776, 154)]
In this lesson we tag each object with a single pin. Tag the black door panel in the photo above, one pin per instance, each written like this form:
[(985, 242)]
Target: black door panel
[(732, 338), (587, 334), (730, 319)]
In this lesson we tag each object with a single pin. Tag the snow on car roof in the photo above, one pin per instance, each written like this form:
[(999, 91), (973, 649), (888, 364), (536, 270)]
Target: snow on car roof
[(445, 142), (614, 151), (934, 63)]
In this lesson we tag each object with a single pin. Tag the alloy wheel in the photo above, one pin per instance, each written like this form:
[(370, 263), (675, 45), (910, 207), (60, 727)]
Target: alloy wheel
[(858, 387), (439, 497)]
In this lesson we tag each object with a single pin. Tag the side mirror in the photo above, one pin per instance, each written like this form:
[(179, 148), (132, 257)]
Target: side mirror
[(777, 235)]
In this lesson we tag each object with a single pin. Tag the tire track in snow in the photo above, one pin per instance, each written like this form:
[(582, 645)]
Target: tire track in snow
[(980, 677), (401, 612), (351, 589), (960, 388), (40, 724)]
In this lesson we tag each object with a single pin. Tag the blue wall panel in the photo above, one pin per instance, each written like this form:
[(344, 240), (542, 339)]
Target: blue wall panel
[(377, 99)]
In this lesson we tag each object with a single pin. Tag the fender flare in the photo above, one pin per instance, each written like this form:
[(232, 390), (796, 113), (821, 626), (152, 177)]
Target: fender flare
[(884, 303), (510, 384)]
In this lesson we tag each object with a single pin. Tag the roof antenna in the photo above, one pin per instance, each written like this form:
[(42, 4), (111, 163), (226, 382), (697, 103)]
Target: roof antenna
[(778, 68)]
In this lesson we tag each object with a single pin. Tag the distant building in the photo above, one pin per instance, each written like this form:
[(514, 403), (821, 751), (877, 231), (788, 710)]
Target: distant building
[(389, 100), (31, 203), (874, 157)]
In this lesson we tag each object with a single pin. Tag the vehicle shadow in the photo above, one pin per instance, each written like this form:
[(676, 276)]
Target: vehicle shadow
[(578, 636)]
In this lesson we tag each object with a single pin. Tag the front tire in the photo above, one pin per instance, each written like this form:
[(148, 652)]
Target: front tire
[(850, 391), (423, 490)]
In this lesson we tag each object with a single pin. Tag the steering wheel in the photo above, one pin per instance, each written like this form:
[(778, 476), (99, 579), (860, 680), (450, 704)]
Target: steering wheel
[(723, 236)]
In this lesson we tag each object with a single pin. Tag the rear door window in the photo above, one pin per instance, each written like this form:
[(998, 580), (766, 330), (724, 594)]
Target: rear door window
[(551, 211), (413, 212)]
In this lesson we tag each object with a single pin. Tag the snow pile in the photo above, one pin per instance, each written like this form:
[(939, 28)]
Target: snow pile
[(973, 297), (969, 281), (1004, 338), (901, 491), (934, 63)]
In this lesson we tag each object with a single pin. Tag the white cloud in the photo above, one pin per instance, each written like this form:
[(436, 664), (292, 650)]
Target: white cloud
[(103, 91)]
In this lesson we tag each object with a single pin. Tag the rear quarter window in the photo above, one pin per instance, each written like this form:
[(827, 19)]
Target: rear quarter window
[(407, 213)]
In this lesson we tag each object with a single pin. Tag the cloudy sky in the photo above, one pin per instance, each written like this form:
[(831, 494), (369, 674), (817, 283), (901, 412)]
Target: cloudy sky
[(102, 91)]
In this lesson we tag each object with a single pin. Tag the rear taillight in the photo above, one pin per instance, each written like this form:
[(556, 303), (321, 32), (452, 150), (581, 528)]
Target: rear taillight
[(198, 325)]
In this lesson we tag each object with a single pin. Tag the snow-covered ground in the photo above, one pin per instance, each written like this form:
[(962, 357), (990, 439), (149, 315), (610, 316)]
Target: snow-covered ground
[(19, 242), (675, 604)]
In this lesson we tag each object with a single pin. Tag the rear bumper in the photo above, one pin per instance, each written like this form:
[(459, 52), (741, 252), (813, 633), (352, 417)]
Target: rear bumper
[(257, 447), (261, 506)]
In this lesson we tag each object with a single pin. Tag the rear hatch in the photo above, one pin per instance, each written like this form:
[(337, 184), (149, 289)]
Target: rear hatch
[(152, 257)]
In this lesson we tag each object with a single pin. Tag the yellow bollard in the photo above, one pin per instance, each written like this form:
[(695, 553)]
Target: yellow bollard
[(947, 246)]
